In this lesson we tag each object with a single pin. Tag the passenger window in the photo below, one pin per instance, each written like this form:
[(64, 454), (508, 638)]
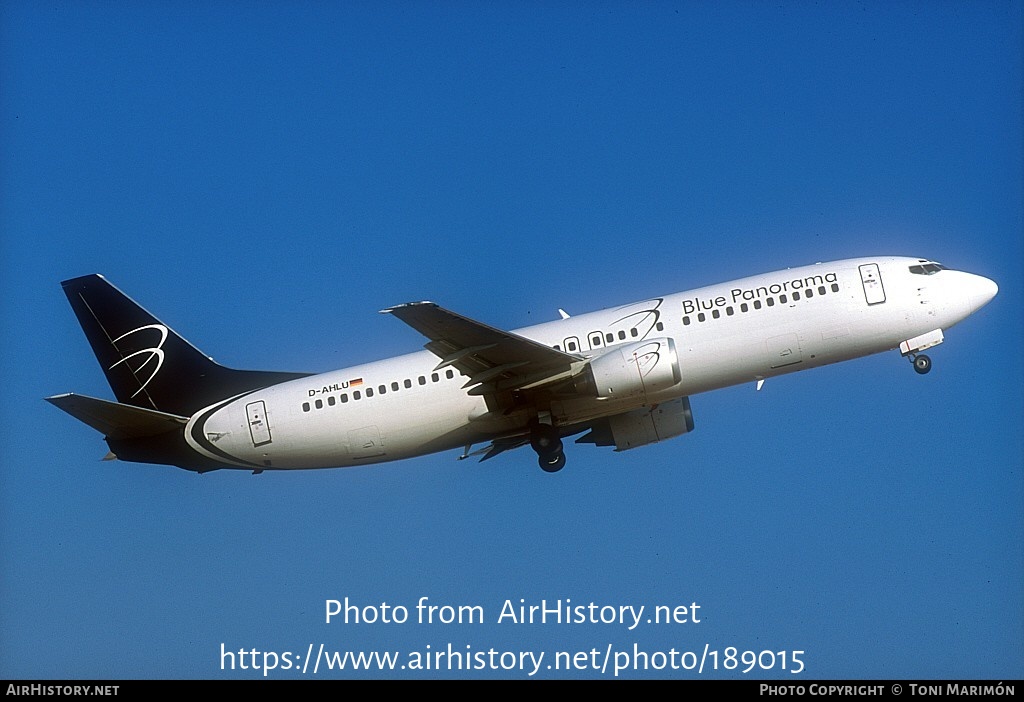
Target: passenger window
[(344, 398), (744, 307), (382, 389), (770, 302), (319, 404), (715, 313), (796, 296), (331, 400), (622, 335), (434, 377), (757, 304), (407, 383), (305, 406), (422, 380), (609, 337), (686, 321), (729, 311), (449, 374), (835, 287), (394, 386), (660, 326), (701, 317), (782, 299), (356, 395), (808, 293), (821, 290), (369, 392)]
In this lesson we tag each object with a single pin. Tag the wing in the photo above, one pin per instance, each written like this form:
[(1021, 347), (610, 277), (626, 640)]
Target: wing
[(494, 360)]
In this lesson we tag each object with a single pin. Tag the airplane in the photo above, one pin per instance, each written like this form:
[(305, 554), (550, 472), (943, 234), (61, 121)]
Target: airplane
[(623, 375)]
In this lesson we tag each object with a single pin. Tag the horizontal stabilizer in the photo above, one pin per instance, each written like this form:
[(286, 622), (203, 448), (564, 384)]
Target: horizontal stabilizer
[(115, 420)]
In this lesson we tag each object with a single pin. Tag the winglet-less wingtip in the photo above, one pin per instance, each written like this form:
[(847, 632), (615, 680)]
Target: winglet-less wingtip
[(389, 310)]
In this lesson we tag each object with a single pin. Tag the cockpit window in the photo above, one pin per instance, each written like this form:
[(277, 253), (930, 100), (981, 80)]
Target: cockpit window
[(927, 268)]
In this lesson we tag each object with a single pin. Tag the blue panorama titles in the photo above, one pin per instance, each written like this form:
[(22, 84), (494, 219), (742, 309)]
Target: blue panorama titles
[(736, 295), (554, 612)]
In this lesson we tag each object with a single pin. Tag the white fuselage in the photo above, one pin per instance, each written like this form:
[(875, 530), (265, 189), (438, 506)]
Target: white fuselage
[(736, 332)]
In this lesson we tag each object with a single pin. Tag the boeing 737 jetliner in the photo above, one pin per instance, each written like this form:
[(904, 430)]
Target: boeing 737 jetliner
[(622, 375)]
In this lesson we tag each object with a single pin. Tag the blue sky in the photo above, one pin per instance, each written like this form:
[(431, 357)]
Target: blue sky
[(265, 177)]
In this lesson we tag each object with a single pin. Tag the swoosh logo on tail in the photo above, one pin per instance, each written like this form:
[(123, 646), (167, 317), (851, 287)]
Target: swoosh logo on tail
[(153, 353)]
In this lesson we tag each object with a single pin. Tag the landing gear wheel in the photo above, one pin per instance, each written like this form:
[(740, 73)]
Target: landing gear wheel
[(545, 440), (922, 364), (547, 443), (551, 463)]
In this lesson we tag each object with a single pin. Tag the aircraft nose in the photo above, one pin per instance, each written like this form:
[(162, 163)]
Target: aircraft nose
[(980, 291)]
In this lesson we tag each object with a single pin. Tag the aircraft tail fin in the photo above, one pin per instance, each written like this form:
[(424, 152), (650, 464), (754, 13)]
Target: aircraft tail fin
[(147, 364)]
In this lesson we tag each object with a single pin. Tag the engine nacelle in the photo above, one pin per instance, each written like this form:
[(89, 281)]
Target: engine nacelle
[(633, 370), (639, 427)]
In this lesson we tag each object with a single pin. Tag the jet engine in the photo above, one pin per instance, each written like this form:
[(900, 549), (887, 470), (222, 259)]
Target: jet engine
[(639, 427), (633, 370)]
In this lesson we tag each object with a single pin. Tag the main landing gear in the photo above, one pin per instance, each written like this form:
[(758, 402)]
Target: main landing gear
[(547, 443), (922, 364)]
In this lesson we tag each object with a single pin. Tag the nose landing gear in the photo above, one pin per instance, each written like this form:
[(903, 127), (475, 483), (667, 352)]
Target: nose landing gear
[(922, 364), (910, 347)]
